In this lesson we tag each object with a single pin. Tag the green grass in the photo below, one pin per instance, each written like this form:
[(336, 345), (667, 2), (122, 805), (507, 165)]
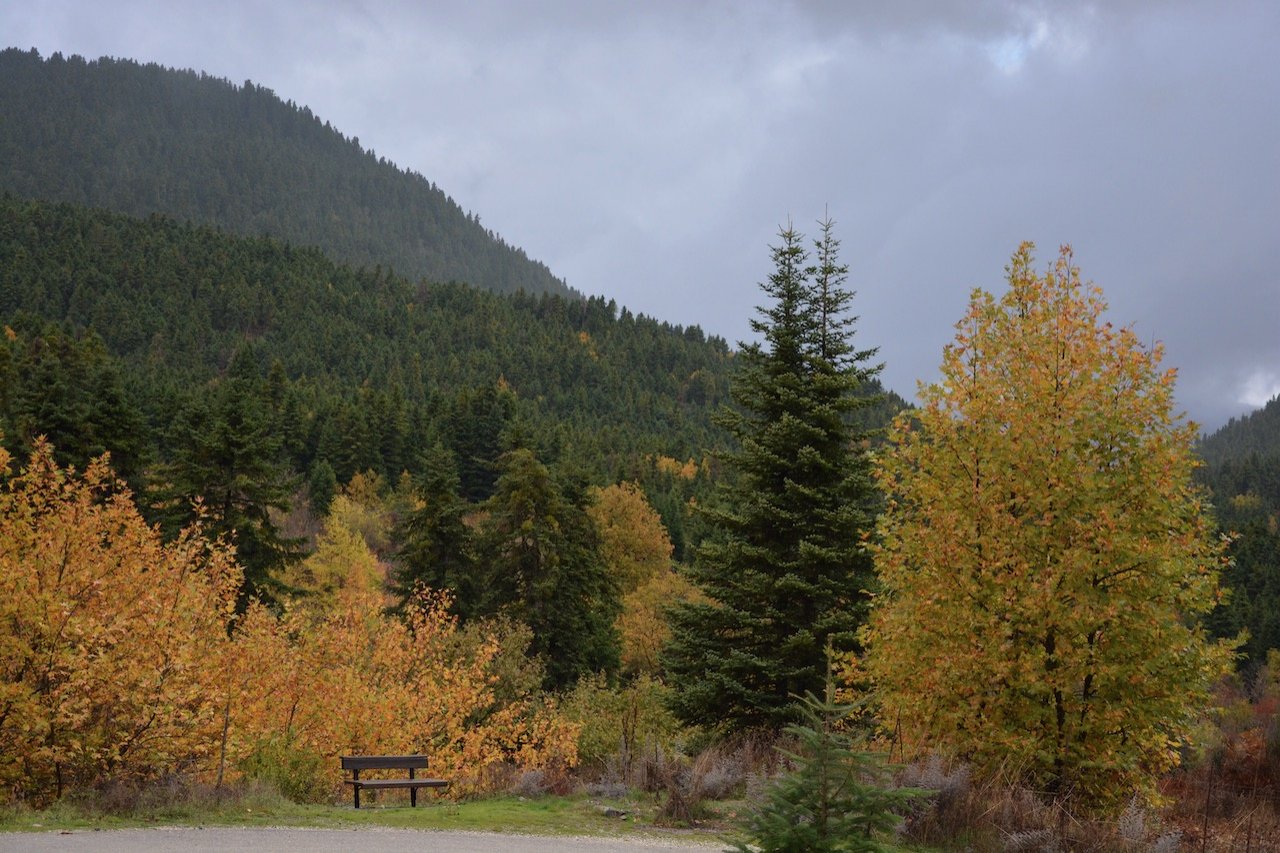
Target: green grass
[(548, 815), (571, 815)]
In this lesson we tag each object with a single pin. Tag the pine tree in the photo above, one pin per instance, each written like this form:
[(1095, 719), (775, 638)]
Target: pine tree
[(436, 548), (838, 798), (542, 566), (785, 568), (228, 456)]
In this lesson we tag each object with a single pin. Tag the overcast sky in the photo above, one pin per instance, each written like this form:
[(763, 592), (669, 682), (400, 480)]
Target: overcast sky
[(649, 151)]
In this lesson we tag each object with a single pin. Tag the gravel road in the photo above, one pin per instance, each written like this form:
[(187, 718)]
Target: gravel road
[(365, 839)]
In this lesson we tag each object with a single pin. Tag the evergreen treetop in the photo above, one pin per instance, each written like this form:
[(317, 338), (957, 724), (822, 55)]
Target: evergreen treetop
[(785, 567)]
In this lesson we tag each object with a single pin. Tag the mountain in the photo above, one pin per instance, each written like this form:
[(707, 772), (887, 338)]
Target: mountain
[(171, 243), (142, 139), (1242, 466), (175, 302), (365, 369), (1257, 432), (1242, 472)]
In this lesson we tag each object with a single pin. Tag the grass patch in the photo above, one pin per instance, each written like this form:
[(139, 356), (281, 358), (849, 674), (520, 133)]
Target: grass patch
[(548, 815)]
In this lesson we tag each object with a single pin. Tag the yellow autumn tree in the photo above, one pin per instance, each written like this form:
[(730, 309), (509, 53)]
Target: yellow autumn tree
[(642, 624), (107, 635), (342, 560), (1044, 555), (633, 543), (637, 552), (359, 681)]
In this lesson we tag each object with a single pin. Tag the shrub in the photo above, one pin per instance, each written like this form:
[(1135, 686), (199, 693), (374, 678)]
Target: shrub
[(300, 774), (836, 799), (619, 723), (109, 638)]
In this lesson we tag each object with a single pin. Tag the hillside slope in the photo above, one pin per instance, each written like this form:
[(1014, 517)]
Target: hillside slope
[(142, 139), (176, 301), (1242, 472)]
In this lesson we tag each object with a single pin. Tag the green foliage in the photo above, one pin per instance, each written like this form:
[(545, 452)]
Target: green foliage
[(436, 548), (300, 774), (1253, 604), (1255, 434), (142, 139), (1242, 471), (372, 367), (541, 565), (228, 470), (473, 427), (68, 389), (837, 798), (620, 721), (322, 486), (786, 571), (514, 675)]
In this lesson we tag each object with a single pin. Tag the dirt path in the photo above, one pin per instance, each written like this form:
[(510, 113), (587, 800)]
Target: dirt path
[(365, 839)]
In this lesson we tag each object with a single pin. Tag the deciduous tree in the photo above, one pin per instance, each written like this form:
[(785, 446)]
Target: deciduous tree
[(1045, 557), (633, 543), (109, 638)]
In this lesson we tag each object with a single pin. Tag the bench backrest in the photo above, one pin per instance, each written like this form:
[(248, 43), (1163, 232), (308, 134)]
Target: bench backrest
[(383, 762)]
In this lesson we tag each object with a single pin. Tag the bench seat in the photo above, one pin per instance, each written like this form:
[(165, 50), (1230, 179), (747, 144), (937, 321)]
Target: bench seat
[(356, 763), (399, 783)]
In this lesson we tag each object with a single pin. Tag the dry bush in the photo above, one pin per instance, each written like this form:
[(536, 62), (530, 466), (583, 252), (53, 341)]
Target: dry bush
[(998, 814), (735, 767), (606, 789), (657, 765), (1227, 797), (174, 795)]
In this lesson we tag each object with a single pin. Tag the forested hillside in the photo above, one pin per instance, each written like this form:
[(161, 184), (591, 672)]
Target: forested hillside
[(1243, 457), (1242, 471), (142, 139), (367, 368), (175, 302)]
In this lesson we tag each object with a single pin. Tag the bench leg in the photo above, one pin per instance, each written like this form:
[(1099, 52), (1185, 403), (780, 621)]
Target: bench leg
[(356, 789), (413, 793)]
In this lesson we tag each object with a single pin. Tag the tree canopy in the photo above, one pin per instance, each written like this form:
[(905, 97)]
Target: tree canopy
[(1045, 557)]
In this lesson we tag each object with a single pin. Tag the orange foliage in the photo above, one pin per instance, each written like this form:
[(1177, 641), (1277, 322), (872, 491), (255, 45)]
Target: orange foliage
[(633, 542), (107, 633), (643, 626), (676, 469), (637, 552), (359, 682), (117, 661)]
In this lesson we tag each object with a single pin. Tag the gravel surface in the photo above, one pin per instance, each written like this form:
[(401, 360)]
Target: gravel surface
[(365, 839)]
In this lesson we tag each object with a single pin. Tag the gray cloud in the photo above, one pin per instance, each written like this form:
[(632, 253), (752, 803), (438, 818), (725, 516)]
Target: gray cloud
[(649, 151)]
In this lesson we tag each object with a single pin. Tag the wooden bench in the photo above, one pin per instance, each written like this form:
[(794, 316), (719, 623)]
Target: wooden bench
[(356, 763)]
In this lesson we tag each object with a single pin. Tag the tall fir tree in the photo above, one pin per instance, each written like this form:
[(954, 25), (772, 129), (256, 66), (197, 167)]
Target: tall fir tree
[(436, 545), (227, 455), (786, 569), (542, 565)]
